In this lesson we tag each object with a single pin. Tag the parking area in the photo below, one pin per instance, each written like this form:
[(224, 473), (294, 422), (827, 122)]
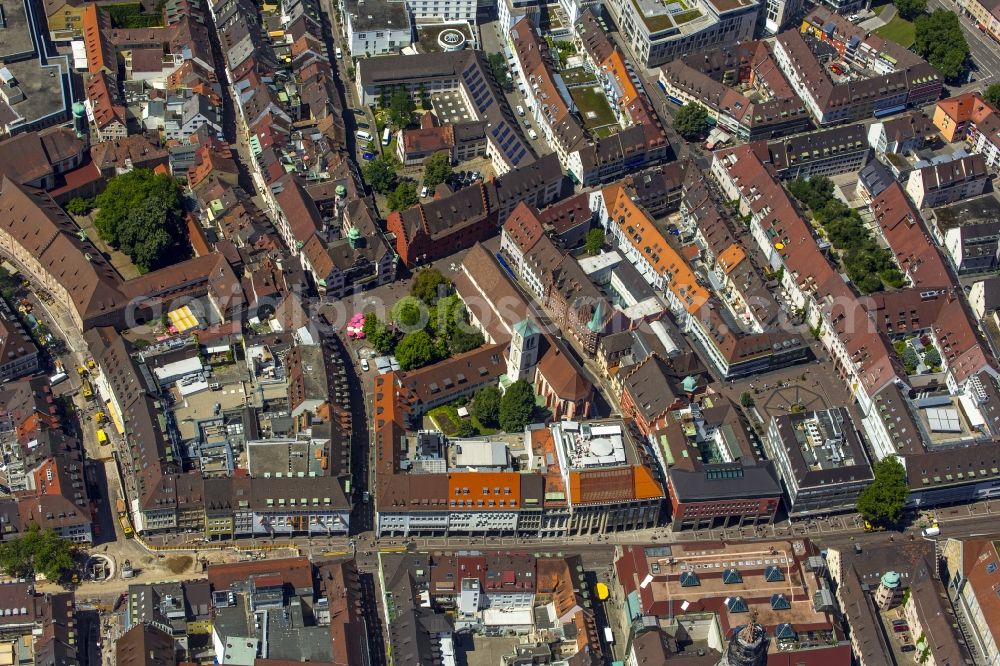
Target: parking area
[(901, 639)]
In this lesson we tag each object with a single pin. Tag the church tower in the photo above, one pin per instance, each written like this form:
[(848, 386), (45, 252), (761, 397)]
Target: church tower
[(523, 353)]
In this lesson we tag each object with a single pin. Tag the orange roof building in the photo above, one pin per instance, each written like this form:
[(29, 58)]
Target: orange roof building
[(647, 248), (954, 116), (613, 491)]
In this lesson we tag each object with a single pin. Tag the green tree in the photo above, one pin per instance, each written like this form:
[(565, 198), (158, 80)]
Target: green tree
[(143, 236), (466, 429), (428, 284), (939, 39), (595, 241), (401, 108), (992, 95), (517, 406), (408, 312), (141, 204), (38, 551), (404, 196), (746, 399), (498, 67), (414, 350), (932, 357), (461, 339), (380, 173), (381, 337), (486, 405), (910, 9), (881, 503), (869, 266), (691, 121), (437, 169), (910, 358), (79, 206)]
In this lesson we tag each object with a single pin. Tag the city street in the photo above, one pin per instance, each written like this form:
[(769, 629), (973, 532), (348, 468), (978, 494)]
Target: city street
[(985, 52)]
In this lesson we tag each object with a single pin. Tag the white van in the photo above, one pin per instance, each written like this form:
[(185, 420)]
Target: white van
[(386, 136), (364, 136), (932, 531), (520, 110), (533, 134)]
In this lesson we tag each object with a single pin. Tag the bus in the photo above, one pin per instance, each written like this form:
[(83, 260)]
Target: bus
[(386, 136)]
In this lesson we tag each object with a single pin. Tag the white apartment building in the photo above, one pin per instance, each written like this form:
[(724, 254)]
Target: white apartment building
[(658, 32), (984, 138), (447, 10), (946, 182), (778, 14), (510, 12), (377, 27)]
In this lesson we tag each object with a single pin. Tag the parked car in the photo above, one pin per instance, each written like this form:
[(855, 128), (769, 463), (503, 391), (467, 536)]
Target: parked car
[(527, 123), (908, 648), (368, 156), (424, 192), (900, 628), (533, 134), (897, 623), (364, 126), (520, 110), (364, 365), (340, 53)]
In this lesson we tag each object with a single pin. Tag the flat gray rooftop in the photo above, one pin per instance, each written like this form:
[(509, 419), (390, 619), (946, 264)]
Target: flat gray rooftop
[(15, 34), (971, 211)]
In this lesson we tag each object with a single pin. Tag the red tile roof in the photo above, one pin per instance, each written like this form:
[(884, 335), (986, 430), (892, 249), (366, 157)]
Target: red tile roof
[(296, 572)]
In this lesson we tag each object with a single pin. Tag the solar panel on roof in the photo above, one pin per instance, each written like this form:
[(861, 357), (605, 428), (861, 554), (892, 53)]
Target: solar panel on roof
[(773, 574), (780, 602), (730, 576), (737, 605)]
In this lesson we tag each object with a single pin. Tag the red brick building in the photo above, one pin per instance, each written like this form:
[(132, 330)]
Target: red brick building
[(425, 233)]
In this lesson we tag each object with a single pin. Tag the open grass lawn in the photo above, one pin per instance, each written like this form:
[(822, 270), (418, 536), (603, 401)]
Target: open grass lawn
[(605, 131), (448, 420), (131, 16), (686, 17), (577, 75), (593, 105), (898, 30)]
